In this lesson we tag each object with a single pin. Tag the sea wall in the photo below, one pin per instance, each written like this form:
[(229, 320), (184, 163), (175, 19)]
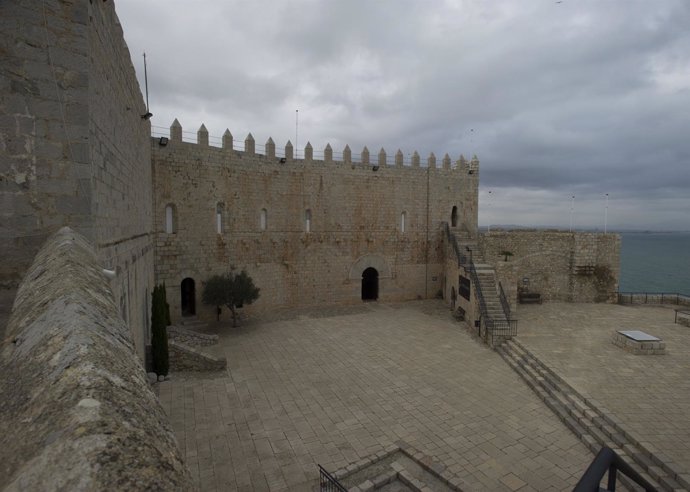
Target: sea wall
[(304, 229), (74, 149), (77, 411), (560, 265)]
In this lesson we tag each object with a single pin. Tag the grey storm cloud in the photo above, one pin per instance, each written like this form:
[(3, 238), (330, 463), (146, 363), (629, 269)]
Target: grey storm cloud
[(580, 97)]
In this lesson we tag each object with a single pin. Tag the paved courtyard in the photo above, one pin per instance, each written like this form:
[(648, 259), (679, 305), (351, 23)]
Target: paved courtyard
[(335, 388), (650, 394)]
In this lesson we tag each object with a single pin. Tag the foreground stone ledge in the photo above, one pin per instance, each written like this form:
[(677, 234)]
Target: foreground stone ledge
[(77, 412)]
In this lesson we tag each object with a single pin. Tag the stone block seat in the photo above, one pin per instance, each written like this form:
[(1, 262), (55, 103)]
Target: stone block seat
[(529, 297)]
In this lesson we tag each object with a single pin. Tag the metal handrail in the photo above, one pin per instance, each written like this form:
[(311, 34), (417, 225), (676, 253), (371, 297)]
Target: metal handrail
[(504, 301), (653, 297), (488, 326), (608, 460), (328, 482)]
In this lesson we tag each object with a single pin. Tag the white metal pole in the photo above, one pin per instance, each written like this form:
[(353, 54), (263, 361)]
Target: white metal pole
[(606, 212), (296, 133)]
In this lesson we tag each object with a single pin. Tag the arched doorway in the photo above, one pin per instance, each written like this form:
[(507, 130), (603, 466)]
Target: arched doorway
[(188, 297), (370, 284), (454, 217)]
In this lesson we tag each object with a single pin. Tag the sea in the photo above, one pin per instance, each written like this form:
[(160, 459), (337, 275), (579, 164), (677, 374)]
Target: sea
[(655, 262)]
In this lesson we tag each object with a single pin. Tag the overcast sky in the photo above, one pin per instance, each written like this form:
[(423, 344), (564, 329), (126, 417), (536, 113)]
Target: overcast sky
[(579, 97)]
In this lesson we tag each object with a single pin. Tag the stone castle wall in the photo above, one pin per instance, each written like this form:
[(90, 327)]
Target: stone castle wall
[(77, 411), (356, 214), (120, 158), (74, 149), (561, 266)]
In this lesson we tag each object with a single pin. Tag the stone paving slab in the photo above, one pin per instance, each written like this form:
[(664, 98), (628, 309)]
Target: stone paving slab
[(650, 396), (334, 390)]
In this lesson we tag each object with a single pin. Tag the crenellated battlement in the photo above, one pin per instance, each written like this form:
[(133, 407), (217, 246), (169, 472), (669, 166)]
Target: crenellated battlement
[(288, 153)]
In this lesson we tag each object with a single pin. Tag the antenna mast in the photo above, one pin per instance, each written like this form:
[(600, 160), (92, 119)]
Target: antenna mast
[(146, 85)]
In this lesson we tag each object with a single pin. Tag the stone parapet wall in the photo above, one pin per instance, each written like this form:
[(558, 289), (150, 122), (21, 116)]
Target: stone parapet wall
[(560, 265), (77, 412)]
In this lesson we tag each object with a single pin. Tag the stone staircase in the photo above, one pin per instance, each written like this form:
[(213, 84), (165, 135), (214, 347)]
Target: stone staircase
[(488, 284), (190, 347), (486, 276), (591, 423)]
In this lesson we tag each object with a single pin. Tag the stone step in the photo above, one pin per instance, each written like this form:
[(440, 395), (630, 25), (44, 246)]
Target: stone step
[(584, 419), (192, 323)]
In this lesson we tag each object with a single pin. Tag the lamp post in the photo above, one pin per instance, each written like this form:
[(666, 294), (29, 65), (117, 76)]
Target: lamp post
[(606, 212), (572, 212), (488, 202)]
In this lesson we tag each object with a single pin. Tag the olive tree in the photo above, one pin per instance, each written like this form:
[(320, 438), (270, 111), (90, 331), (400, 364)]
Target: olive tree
[(232, 290)]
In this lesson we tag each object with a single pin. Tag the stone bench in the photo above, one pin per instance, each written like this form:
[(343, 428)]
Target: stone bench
[(529, 298)]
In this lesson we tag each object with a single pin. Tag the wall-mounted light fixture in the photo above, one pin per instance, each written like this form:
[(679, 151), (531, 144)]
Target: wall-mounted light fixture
[(283, 160), (163, 141), (146, 116)]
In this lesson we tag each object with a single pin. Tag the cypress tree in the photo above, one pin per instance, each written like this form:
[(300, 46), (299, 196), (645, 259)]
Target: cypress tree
[(159, 334), (167, 306)]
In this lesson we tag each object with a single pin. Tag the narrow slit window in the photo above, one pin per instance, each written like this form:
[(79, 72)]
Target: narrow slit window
[(403, 221), (219, 218), (307, 220), (263, 219), (170, 219)]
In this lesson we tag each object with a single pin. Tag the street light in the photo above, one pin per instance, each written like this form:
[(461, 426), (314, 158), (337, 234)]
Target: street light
[(606, 211), (488, 202)]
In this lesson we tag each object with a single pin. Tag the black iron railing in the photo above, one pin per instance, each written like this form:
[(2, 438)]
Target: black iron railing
[(490, 330), (328, 483), (500, 330), (462, 259), (504, 301), (608, 461), (653, 298)]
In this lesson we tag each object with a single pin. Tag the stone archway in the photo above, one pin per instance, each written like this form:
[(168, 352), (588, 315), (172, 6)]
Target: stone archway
[(188, 297), (370, 284)]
